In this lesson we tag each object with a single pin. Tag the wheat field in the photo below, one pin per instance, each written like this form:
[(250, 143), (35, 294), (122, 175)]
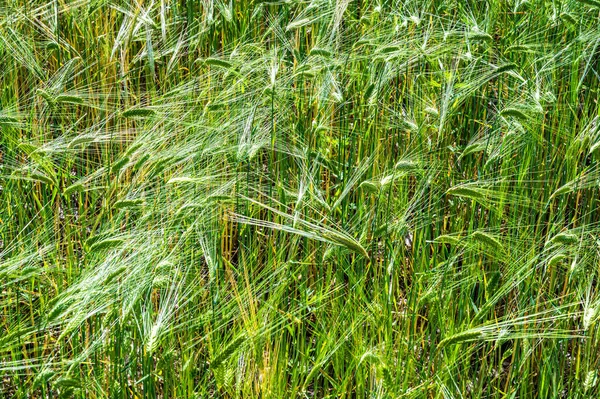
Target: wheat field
[(299, 199)]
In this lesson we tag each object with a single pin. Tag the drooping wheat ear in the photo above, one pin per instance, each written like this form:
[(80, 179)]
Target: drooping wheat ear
[(593, 3), (114, 274), (510, 66), (515, 113), (565, 189), (52, 46), (406, 165), (128, 203), (297, 24), (520, 48), (568, 18), (69, 99), (370, 186), (320, 52), (50, 100), (107, 243), (487, 239), (565, 238), (467, 192), (67, 382), (141, 161), (8, 120), (79, 140), (465, 336), (218, 62), (119, 164), (346, 241), (41, 177), (448, 239), (556, 260), (138, 113), (73, 188), (389, 49), (228, 351)]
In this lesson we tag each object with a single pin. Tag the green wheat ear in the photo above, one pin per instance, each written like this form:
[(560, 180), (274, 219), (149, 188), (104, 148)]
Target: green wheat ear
[(407, 165), (389, 49), (556, 260), (50, 100), (518, 48), (370, 186), (487, 239), (510, 66), (465, 336), (41, 177), (448, 239), (69, 99), (566, 238), (320, 52), (138, 113), (52, 46), (565, 189), (74, 188), (108, 243), (515, 113), (466, 192), (8, 120), (481, 36), (228, 351), (114, 274), (119, 164), (593, 3), (216, 62), (132, 203), (568, 18), (79, 140), (66, 382)]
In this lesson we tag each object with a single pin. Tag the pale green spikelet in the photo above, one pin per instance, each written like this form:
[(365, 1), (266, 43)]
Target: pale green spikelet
[(593, 3), (217, 62), (68, 98), (487, 239), (465, 336), (114, 274), (6, 120), (480, 36), (41, 177), (565, 189), (138, 113), (119, 164), (321, 52), (467, 192), (515, 113), (370, 186), (447, 239), (50, 100), (228, 351), (73, 188), (556, 260), (108, 243), (565, 238), (128, 203), (79, 140), (508, 67)]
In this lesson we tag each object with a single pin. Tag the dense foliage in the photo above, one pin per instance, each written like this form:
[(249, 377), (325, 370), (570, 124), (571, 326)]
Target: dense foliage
[(281, 199)]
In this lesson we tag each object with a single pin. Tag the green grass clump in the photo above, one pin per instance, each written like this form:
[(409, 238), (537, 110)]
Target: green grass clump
[(299, 199)]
